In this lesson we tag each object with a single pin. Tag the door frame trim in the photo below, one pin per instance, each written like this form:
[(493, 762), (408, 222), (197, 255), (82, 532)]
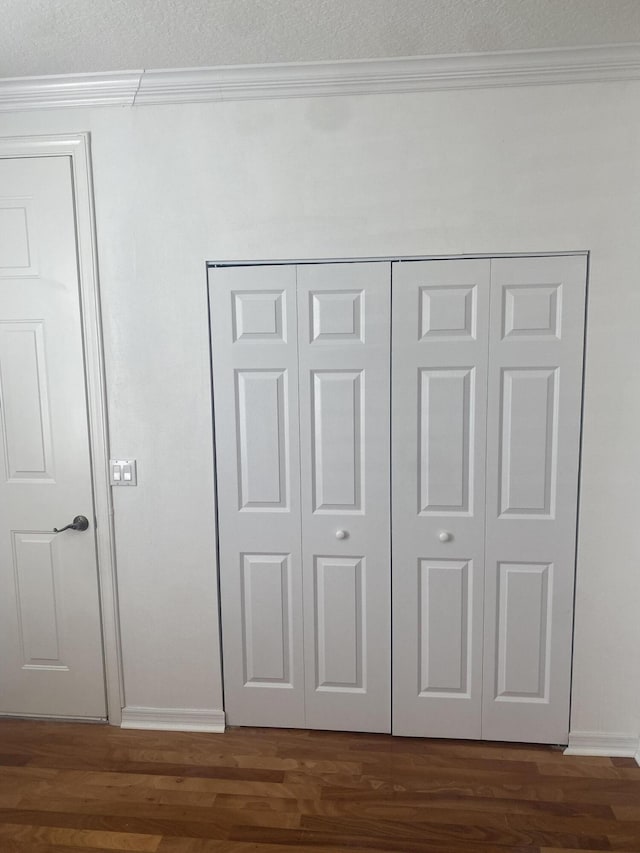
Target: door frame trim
[(399, 259), (76, 146)]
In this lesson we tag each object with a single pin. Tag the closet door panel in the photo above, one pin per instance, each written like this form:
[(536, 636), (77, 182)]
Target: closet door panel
[(439, 374), (255, 389), (535, 397), (344, 340)]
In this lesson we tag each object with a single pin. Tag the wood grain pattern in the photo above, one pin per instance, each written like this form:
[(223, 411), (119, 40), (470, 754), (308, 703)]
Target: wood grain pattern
[(68, 787)]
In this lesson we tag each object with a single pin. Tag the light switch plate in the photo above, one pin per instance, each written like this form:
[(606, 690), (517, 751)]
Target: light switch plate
[(123, 472)]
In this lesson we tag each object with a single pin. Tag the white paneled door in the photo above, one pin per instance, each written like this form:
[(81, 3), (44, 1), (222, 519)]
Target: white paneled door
[(344, 348), (439, 405), (301, 394), (476, 389), (487, 389), (50, 641), (255, 373), (536, 343)]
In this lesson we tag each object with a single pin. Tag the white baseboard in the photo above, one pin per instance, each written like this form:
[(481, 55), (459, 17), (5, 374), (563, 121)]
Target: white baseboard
[(60, 718), (608, 744), (173, 719)]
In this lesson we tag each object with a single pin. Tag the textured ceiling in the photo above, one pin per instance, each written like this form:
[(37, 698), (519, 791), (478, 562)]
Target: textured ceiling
[(74, 36)]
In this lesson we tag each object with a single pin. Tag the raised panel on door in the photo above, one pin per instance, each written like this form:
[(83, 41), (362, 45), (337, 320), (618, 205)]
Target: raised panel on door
[(50, 639), (535, 392), (344, 337), (439, 365), (25, 411), (255, 394)]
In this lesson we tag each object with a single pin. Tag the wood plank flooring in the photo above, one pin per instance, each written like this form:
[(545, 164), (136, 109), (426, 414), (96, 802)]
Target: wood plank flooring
[(66, 788)]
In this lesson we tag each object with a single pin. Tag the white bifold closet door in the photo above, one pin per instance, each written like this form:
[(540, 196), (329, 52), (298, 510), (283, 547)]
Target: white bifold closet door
[(301, 360), (536, 343), (255, 371), (344, 352), (439, 381), (487, 381)]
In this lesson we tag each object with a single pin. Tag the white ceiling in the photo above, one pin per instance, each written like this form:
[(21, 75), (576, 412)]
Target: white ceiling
[(74, 36)]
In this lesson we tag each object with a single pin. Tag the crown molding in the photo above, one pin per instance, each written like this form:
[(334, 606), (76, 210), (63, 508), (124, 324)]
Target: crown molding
[(313, 79), (69, 90), (379, 76)]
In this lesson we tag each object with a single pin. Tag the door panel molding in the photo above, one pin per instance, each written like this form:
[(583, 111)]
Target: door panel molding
[(76, 146), (28, 443)]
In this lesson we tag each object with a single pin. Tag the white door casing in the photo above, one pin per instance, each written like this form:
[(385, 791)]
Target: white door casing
[(50, 628), (534, 411), (344, 349), (439, 376)]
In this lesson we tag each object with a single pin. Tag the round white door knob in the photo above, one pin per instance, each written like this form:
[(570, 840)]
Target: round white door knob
[(444, 536), (341, 534)]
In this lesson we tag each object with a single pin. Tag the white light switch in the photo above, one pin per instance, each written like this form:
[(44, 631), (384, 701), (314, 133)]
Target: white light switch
[(123, 472)]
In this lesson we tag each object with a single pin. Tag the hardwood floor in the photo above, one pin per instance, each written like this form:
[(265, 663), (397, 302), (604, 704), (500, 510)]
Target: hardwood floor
[(66, 788)]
